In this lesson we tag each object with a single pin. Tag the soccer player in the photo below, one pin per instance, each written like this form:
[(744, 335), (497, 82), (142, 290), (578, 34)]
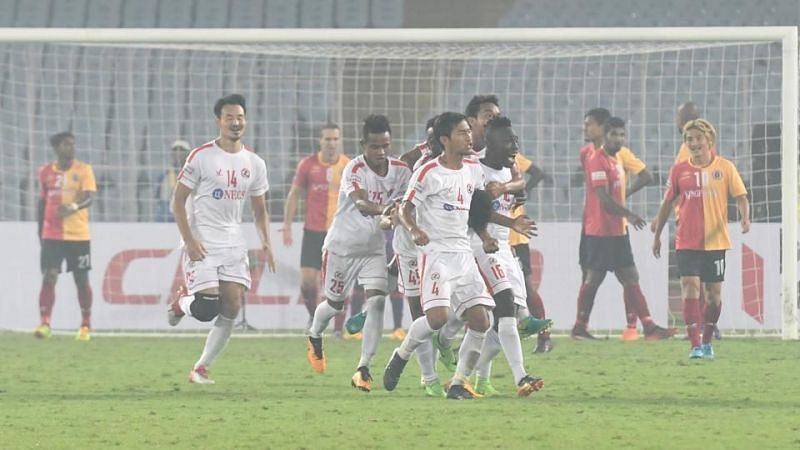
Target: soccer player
[(435, 211), (66, 189), (480, 110), (219, 176), (500, 270), (686, 112), (354, 247), (317, 180), (700, 188), (628, 164), (607, 243)]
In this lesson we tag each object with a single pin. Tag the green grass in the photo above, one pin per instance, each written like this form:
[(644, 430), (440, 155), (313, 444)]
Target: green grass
[(132, 393)]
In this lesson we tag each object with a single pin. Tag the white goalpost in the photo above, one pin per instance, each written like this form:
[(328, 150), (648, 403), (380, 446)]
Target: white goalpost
[(127, 94)]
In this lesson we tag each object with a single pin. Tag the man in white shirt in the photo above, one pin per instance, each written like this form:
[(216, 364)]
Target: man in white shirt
[(219, 176), (435, 211), (354, 247)]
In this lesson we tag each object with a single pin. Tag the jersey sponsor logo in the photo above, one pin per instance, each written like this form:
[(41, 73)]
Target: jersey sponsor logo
[(329, 174), (700, 193), (449, 207), (599, 176), (228, 194)]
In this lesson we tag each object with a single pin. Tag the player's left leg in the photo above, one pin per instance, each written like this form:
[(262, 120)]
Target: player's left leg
[(713, 275), (629, 277), (230, 295), (374, 279), (79, 263)]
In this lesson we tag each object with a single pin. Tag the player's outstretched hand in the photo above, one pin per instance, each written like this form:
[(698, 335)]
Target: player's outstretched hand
[(494, 189), (657, 247), (636, 221), (67, 209), (524, 225), (491, 245), (519, 200), (270, 260), (196, 250), (419, 237), (287, 235)]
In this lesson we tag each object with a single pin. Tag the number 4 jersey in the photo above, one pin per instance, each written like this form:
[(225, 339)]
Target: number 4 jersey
[(221, 182)]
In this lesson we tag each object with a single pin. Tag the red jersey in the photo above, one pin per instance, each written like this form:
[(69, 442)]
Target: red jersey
[(56, 188), (703, 203), (320, 182), (602, 171)]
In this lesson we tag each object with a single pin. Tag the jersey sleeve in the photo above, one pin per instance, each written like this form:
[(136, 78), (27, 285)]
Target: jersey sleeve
[(190, 174), (418, 187), (260, 184), (403, 179), (671, 191), (735, 184), (522, 162), (354, 177), (88, 183), (301, 175), (480, 177), (597, 172), (631, 163)]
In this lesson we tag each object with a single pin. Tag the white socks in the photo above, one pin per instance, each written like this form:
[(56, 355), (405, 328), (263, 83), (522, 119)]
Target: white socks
[(373, 329), (322, 316), (508, 335), (419, 332), (217, 338), (468, 355)]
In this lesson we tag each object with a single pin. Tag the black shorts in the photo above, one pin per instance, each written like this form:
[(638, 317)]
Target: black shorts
[(77, 253), (582, 249), (709, 265), (311, 251), (608, 253), (523, 253)]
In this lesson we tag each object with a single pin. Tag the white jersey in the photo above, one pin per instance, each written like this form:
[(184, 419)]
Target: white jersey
[(442, 198), (501, 205), (351, 233), (221, 182)]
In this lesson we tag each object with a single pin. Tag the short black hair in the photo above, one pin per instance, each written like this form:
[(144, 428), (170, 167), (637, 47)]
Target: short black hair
[(329, 126), (232, 99), (613, 122), (474, 105), (375, 124), (498, 122), (445, 123), (600, 115), (56, 139)]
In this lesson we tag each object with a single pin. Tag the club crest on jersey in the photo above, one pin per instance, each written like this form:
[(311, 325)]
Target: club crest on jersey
[(412, 263), (717, 175), (245, 173), (76, 177), (435, 276), (469, 188), (338, 275), (219, 172), (495, 205)]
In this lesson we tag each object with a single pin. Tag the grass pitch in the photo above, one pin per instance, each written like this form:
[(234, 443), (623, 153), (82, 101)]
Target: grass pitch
[(116, 392)]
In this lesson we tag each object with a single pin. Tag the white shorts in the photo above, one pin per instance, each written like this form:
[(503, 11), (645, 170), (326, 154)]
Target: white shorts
[(452, 280), (501, 271), (339, 273), (408, 275), (220, 264)]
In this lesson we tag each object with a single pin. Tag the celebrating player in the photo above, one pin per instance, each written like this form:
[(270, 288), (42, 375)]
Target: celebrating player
[(701, 187), (219, 176), (607, 243), (66, 189), (354, 247), (317, 179)]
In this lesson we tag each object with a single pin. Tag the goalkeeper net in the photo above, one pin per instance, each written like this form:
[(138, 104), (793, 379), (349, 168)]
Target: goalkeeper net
[(127, 102)]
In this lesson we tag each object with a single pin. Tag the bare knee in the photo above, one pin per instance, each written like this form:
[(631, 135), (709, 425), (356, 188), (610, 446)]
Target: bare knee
[(230, 299), (436, 317), (50, 277), (477, 318), (690, 287)]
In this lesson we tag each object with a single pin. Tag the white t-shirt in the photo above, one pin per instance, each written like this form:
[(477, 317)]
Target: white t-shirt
[(442, 198), (501, 205), (221, 182), (351, 233)]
